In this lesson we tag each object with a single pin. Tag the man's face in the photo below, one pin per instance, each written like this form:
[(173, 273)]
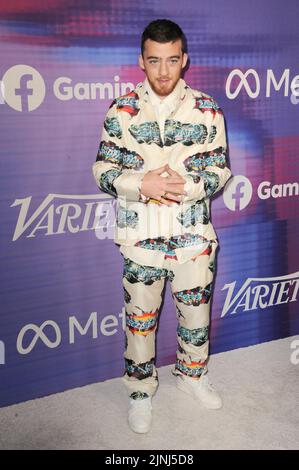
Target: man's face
[(163, 63)]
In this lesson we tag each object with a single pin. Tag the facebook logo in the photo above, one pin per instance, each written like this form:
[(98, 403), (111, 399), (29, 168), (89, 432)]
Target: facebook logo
[(238, 193), (1, 92), (24, 91), (23, 88)]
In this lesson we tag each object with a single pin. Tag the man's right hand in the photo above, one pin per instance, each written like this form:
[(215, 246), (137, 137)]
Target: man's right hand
[(155, 186)]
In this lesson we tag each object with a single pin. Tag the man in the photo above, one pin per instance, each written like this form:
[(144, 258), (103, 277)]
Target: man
[(162, 154)]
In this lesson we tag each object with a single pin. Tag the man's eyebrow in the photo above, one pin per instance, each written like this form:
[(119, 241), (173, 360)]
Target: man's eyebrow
[(171, 57)]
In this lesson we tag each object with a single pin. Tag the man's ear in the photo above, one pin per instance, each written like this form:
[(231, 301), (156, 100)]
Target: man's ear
[(185, 59), (140, 60)]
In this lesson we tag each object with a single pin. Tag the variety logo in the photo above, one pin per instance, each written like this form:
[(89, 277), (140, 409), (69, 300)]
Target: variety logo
[(76, 213), (97, 211), (253, 86), (261, 293), (238, 192), (92, 212)]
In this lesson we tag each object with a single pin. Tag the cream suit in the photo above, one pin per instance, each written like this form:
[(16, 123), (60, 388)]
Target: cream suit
[(158, 242)]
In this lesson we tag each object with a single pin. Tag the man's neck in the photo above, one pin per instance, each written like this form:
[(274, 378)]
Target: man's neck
[(159, 97)]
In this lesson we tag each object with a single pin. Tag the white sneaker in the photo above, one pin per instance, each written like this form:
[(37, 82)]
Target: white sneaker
[(201, 389), (140, 414)]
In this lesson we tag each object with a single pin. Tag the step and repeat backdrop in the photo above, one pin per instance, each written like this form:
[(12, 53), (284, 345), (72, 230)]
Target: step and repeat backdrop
[(62, 63)]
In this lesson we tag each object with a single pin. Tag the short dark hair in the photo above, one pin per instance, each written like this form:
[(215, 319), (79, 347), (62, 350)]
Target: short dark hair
[(162, 30)]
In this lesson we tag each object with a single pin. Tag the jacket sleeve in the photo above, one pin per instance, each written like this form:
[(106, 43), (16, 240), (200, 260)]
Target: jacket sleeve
[(110, 171), (213, 170)]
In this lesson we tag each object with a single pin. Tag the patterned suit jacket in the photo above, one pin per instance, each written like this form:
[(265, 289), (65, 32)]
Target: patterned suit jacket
[(194, 145)]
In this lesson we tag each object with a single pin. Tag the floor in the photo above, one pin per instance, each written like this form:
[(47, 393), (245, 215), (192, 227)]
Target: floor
[(259, 386)]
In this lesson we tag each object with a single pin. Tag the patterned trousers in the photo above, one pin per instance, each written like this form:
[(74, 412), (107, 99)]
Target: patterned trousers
[(191, 287)]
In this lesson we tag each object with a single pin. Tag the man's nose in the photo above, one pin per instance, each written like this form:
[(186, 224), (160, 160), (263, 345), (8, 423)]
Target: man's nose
[(163, 70)]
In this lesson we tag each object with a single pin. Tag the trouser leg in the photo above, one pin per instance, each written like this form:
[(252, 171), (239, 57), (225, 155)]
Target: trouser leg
[(191, 290), (143, 287)]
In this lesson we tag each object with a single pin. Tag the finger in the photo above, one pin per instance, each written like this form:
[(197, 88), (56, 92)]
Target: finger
[(174, 180), (166, 201), (161, 169), (175, 174), (171, 171), (173, 197), (174, 193), (170, 188)]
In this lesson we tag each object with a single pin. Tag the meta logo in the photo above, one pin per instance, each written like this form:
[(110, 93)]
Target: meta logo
[(23, 88), (50, 334), (238, 191), (253, 87)]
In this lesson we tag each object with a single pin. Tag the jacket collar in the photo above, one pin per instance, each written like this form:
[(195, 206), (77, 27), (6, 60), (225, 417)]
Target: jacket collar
[(169, 101)]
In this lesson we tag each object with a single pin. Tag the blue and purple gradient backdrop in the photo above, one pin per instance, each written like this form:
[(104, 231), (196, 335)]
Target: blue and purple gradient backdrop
[(51, 149)]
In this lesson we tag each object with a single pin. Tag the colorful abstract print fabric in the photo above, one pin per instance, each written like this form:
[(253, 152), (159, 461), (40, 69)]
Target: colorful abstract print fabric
[(194, 145), (191, 286)]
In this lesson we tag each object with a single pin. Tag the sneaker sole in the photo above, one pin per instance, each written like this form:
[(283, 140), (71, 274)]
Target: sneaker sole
[(140, 430)]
